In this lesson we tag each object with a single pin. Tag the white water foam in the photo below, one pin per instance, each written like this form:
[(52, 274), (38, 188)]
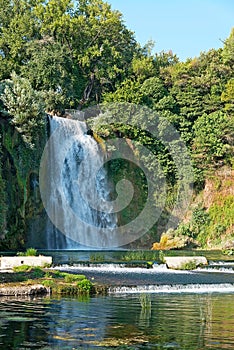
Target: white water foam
[(218, 266), (161, 268), (178, 288)]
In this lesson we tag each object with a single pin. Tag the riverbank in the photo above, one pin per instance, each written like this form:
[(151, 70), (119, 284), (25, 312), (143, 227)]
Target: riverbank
[(35, 281), (92, 273)]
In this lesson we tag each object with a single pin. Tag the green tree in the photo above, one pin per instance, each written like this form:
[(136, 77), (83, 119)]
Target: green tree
[(3, 205), (25, 106), (213, 139), (18, 27), (95, 38), (228, 97), (228, 50)]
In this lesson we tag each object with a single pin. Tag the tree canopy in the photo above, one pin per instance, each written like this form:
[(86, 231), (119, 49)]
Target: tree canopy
[(64, 54)]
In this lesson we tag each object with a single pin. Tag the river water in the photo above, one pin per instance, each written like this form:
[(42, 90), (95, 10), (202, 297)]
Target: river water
[(119, 321), (145, 309)]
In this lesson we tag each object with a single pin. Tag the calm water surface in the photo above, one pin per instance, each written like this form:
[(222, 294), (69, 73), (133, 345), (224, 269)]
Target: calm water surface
[(152, 321)]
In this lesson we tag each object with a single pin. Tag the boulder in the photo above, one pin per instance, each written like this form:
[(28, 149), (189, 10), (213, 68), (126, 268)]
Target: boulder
[(184, 262)]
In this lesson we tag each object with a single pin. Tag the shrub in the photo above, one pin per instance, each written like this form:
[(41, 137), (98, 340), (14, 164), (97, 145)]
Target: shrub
[(22, 268), (48, 283), (190, 265), (48, 275), (46, 265), (29, 252), (38, 272), (69, 278), (85, 286), (58, 274), (184, 230)]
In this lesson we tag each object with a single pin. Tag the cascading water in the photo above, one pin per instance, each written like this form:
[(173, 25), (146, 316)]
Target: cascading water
[(68, 193)]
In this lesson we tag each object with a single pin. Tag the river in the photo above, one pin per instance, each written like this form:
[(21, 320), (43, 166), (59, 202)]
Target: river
[(145, 309)]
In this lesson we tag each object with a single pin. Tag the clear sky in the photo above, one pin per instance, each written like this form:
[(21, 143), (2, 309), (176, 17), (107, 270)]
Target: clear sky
[(186, 27)]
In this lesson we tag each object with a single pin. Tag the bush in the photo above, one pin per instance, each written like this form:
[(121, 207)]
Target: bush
[(190, 265), (29, 252), (38, 272), (22, 268), (184, 230), (69, 278), (48, 283), (85, 286)]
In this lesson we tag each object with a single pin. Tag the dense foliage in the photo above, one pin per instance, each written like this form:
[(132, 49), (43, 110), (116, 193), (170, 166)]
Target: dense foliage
[(62, 54)]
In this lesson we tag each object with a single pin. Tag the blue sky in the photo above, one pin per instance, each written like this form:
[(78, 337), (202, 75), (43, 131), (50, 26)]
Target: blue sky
[(186, 27)]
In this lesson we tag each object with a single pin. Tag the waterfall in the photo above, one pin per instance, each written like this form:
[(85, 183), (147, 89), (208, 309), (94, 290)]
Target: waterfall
[(75, 188)]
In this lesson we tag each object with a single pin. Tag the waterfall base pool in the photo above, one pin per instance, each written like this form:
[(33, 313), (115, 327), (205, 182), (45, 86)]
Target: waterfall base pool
[(140, 321)]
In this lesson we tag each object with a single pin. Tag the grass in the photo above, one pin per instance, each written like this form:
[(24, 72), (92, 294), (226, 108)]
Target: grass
[(145, 301), (59, 282), (138, 255), (190, 265), (29, 252), (97, 257)]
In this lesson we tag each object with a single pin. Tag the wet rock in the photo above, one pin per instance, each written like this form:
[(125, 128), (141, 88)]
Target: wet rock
[(37, 289), (184, 262)]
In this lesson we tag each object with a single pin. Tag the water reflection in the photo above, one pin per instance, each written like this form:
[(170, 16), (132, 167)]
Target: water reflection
[(162, 321)]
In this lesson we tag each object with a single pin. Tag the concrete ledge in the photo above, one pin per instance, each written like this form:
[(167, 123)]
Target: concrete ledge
[(177, 262), (8, 262)]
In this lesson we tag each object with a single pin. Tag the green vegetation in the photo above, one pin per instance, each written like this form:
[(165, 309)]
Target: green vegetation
[(97, 257), (29, 252), (59, 282), (140, 255), (191, 265), (57, 55), (35, 271), (145, 300), (22, 268), (69, 278)]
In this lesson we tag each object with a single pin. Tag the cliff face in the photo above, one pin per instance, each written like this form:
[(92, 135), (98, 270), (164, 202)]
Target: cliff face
[(19, 172), (209, 223), (23, 219), (218, 199)]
